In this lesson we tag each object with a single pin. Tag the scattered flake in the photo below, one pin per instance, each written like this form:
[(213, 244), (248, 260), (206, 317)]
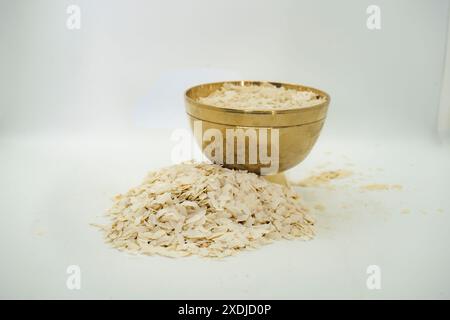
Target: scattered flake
[(323, 178), (405, 211), (381, 187), (40, 233), (320, 207), (206, 210)]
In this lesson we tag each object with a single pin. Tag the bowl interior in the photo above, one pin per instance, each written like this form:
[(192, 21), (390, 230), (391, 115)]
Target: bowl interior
[(203, 90)]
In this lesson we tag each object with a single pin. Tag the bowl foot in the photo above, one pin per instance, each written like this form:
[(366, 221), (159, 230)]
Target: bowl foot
[(279, 178)]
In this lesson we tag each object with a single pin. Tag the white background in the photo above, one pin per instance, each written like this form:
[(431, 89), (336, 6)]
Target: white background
[(84, 114)]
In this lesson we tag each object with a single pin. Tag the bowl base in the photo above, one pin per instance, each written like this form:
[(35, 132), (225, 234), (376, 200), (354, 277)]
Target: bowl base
[(279, 178)]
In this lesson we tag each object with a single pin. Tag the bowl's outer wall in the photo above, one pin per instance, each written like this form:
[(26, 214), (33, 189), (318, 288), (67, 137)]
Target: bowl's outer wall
[(295, 143)]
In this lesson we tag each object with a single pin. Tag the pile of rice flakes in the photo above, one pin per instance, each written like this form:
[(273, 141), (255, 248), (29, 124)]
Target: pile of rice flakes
[(261, 97), (206, 210)]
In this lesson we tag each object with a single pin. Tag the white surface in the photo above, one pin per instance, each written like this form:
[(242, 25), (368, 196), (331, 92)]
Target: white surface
[(72, 102), (52, 188)]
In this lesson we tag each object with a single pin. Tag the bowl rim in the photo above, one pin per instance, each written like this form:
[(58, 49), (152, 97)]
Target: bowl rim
[(273, 112)]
